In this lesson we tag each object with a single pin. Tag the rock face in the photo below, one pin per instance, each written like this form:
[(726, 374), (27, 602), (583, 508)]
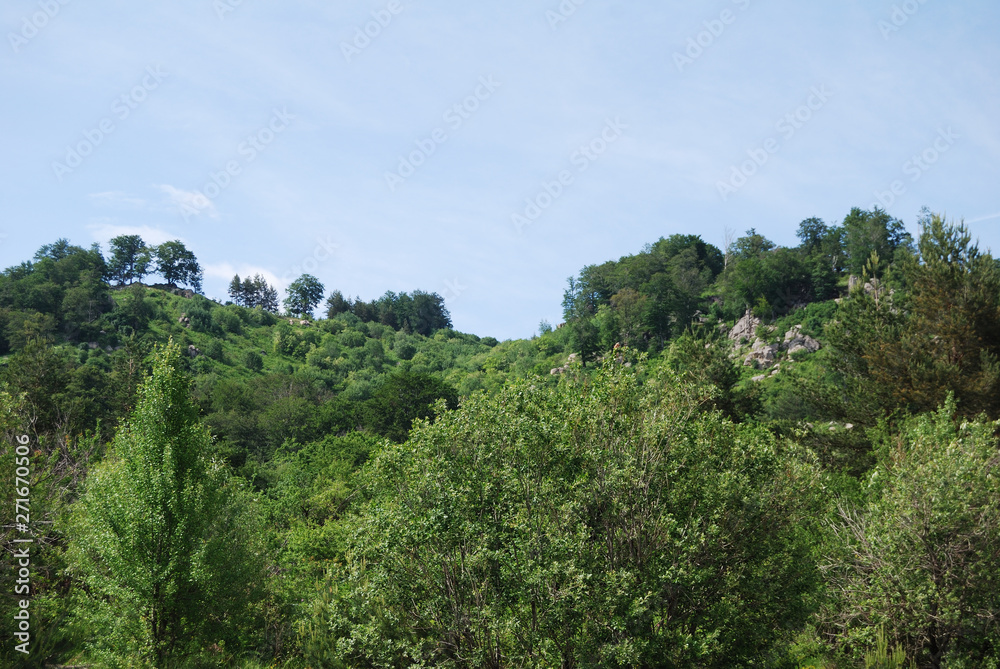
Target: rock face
[(193, 351), (761, 355), (795, 341), (171, 288), (565, 368), (745, 328)]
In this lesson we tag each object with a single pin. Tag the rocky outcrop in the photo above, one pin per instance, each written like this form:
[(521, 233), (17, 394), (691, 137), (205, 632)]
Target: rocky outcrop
[(745, 328), (761, 355), (193, 351), (795, 341), (184, 320), (565, 368), (171, 288)]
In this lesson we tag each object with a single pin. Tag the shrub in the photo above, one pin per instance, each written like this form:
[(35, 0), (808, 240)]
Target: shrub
[(228, 320), (611, 524), (253, 361), (920, 556), (352, 338)]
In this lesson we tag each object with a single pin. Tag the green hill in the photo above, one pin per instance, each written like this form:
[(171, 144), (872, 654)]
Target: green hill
[(751, 456)]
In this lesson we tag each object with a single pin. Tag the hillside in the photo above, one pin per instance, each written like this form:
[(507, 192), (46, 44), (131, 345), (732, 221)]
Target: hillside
[(720, 458)]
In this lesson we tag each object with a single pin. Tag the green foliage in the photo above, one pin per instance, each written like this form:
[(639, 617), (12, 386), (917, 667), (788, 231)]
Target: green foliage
[(253, 361), (908, 350), (303, 295), (53, 468), (606, 524), (228, 320), (919, 555), (883, 658), (161, 539), (61, 293), (202, 320), (764, 278), (401, 399), (254, 292), (867, 232), (706, 363), (652, 515), (177, 265), (420, 313), (130, 259)]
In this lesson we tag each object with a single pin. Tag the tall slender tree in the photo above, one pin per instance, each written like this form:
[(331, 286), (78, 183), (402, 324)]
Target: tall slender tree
[(160, 538), (236, 291)]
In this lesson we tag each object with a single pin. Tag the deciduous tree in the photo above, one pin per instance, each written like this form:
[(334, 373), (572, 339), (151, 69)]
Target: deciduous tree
[(160, 538), (303, 295), (130, 259), (178, 265)]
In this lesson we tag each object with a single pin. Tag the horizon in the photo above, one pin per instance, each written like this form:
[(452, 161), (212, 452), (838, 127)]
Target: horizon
[(486, 153)]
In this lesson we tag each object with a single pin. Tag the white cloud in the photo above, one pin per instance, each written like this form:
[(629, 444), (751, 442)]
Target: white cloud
[(189, 202), (225, 271), (984, 218), (103, 229), (117, 199)]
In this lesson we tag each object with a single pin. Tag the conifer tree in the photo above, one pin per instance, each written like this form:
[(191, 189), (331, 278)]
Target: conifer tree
[(236, 291)]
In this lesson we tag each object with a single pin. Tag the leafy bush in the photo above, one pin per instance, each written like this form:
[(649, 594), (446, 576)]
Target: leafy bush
[(352, 338), (228, 320), (253, 361), (202, 321), (405, 351), (920, 556), (611, 524), (215, 351)]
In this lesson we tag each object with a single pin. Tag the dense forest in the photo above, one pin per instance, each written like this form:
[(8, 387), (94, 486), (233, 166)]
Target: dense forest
[(754, 456)]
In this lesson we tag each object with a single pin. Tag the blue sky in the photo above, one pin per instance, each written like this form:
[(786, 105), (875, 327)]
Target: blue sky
[(485, 151)]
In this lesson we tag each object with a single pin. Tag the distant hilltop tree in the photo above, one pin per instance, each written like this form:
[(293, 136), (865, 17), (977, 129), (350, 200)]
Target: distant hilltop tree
[(421, 312), (253, 292), (130, 259), (303, 295), (177, 265)]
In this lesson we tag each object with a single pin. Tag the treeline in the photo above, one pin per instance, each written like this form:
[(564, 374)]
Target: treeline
[(650, 298), (421, 312), (132, 259), (341, 492), (253, 292)]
